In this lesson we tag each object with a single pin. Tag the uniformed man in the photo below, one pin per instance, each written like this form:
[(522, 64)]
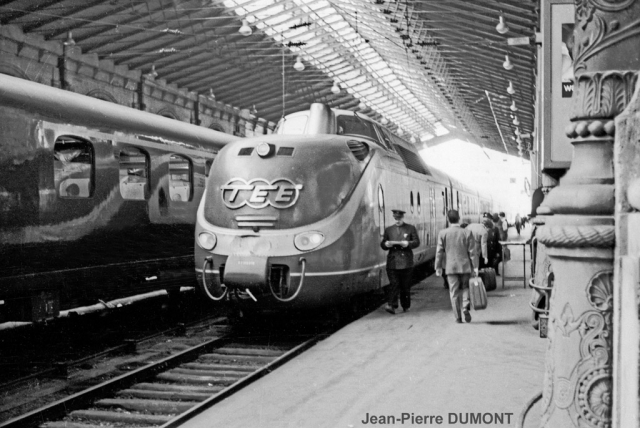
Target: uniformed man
[(399, 240)]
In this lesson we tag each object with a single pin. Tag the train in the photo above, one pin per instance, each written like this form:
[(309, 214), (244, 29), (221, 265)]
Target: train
[(97, 200), (294, 220)]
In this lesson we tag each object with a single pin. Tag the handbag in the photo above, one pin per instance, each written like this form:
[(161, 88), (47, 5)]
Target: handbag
[(507, 253), (477, 293)]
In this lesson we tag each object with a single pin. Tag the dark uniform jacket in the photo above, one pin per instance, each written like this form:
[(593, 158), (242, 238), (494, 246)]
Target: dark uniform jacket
[(399, 257)]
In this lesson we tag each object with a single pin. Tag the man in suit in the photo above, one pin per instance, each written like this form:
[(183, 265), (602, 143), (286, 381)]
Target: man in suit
[(399, 240), (454, 253)]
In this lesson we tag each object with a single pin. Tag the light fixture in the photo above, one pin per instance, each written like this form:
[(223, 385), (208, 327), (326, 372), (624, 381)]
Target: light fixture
[(507, 64), (517, 132), (362, 105), (516, 122), (254, 110), (502, 27), (335, 88), (211, 95), (69, 41), (413, 140), (510, 89), (299, 66), (245, 30), (153, 73), (384, 121), (400, 131), (513, 106)]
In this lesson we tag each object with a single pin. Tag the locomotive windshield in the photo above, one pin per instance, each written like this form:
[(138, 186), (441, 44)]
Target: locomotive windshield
[(354, 125)]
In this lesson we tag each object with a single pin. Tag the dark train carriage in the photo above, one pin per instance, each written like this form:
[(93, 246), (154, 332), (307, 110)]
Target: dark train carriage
[(97, 201)]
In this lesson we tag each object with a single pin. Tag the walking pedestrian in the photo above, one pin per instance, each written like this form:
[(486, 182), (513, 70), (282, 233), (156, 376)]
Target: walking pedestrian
[(480, 237), (518, 223), (399, 239), (455, 252), (504, 227)]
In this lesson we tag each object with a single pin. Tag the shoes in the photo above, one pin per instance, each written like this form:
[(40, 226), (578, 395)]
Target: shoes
[(390, 309), (458, 321), (467, 316), (405, 309)]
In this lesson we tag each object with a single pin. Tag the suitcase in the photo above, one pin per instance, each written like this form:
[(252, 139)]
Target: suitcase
[(488, 276), (477, 293)]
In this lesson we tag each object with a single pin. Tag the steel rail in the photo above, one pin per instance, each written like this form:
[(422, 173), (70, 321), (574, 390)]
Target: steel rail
[(232, 389), (85, 398)]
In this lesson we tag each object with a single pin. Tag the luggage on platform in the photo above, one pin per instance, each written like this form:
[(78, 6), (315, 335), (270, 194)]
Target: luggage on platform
[(488, 276), (477, 293)]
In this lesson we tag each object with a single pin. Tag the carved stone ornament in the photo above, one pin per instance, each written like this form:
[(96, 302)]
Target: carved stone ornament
[(600, 291), (603, 35), (577, 236), (600, 95), (585, 391)]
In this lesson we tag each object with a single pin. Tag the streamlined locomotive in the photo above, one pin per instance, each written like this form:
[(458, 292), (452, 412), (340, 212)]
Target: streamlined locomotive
[(294, 219), (97, 200)]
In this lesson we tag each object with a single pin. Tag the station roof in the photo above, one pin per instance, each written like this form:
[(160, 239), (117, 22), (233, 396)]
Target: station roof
[(434, 69)]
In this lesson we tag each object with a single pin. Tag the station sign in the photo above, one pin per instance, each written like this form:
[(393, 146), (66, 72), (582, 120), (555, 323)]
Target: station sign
[(556, 90)]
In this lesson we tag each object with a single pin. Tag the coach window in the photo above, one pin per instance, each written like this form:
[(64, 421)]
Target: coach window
[(419, 207), (411, 200), (73, 167), (180, 182), (134, 174)]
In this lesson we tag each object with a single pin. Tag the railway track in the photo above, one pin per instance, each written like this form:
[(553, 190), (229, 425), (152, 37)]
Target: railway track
[(171, 389)]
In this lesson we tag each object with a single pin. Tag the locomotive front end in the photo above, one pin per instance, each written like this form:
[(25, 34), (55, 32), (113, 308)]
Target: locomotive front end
[(274, 218)]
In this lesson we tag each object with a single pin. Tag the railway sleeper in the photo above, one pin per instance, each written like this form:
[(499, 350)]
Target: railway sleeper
[(216, 356), (119, 417), (250, 351), (167, 395), (200, 366), (197, 380), (163, 407), (214, 372), (170, 387), (69, 424)]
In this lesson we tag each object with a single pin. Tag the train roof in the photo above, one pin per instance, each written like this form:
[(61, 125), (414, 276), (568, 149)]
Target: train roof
[(66, 106)]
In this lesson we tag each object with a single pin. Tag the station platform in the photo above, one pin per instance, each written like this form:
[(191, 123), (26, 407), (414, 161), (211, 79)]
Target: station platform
[(420, 364)]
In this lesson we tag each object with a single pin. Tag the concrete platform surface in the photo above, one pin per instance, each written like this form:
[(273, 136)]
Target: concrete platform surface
[(420, 365)]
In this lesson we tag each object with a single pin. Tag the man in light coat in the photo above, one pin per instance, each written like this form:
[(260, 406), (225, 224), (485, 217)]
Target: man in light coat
[(480, 236), (455, 253)]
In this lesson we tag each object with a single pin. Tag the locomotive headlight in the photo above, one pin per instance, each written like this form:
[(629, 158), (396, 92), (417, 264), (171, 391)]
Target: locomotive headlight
[(308, 240), (263, 149), (207, 240)]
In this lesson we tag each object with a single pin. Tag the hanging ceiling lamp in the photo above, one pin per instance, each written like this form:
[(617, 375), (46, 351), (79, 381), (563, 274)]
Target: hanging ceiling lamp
[(510, 88), (413, 140), (335, 88), (502, 27), (384, 121), (362, 105), (516, 122), (69, 41), (211, 95), (245, 30), (299, 66), (507, 64), (513, 106), (400, 132)]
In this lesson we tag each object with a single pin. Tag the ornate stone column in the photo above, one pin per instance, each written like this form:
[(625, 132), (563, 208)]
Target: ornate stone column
[(579, 232)]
